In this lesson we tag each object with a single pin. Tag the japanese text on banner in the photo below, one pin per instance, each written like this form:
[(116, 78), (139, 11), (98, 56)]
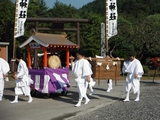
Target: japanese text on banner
[(112, 18), (20, 17)]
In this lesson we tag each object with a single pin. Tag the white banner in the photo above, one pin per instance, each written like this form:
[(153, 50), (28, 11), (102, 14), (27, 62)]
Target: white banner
[(20, 17), (111, 16)]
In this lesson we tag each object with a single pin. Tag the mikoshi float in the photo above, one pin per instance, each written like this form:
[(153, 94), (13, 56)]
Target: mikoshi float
[(48, 75), (106, 68)]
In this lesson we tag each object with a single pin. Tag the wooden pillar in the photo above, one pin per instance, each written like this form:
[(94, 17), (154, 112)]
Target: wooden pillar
[(35, 58), (29, 57), (67, 57), (45, 57)]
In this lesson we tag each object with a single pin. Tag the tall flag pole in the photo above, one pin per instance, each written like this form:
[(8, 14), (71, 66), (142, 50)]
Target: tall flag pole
[(20, 18), (111, 20)]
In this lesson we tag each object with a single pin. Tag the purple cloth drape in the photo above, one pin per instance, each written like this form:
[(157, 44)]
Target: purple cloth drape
[(50, 80)]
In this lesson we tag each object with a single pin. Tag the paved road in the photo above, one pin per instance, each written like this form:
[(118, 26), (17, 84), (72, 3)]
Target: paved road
[(148, 108), (103, 105)]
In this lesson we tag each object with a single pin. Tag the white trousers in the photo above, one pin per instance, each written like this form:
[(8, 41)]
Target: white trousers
[(22, 90), (82, 85), (109, 84), (135, 85), (1, 87)]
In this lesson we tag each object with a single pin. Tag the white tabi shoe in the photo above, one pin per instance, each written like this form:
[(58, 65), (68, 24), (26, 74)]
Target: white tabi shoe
[(126, 100), (109, 90), (87, 101), (0, 98), (137, 99), (78, 104), (15, 101), (30, 100)]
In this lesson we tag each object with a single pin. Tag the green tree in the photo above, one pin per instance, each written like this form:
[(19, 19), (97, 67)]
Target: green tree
[(61, 10), (147, 36), (37, 8), (90, 34), (138, 25), (6, 20), (7, 23), (97, 7), (120, 44)]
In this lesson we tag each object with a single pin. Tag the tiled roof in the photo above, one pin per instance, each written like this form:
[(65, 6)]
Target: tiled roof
[(46, 39)]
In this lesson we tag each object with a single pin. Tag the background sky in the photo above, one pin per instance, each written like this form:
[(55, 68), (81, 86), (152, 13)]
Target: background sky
[(75, 3)]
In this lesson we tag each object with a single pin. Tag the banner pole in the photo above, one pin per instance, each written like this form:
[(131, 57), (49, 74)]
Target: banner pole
[(13, 57), (14, 39), (106, 25)]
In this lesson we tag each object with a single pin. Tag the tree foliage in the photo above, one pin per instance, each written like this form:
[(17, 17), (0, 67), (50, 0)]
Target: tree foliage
[(37, 8), (138, 25), (90, 34), (60, 10), (7, 22)]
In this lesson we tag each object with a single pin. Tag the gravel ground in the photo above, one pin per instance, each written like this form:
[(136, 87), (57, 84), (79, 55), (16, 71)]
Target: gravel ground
[(148, 108)]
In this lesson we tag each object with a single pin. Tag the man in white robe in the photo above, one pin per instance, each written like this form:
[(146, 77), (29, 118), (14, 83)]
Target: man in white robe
[(22, 80), (4, 69), (134, 71), (82, 71)]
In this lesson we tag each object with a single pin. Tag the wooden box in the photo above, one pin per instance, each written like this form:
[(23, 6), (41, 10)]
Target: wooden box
[(104, 69)]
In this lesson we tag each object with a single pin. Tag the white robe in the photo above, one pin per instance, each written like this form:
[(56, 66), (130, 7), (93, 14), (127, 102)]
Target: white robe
[(81, 70), (4, 69), (132, 68), (23, 81)]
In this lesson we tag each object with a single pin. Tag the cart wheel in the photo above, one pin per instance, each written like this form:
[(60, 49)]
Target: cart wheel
[(46, 95), (64, 93), (33, 93)]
